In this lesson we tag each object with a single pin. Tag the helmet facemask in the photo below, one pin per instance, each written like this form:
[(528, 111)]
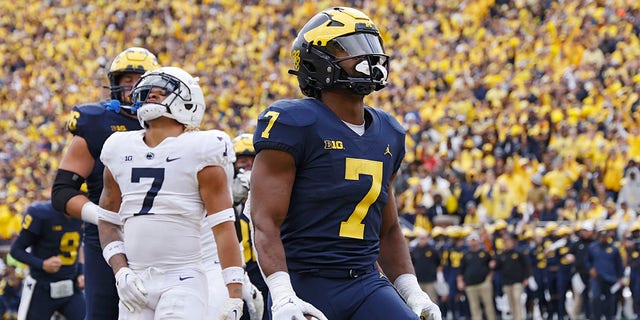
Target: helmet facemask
[(180, 104), (133, 60)]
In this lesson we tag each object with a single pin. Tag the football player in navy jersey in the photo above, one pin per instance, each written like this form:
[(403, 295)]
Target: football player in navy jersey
[(91, 124), (321, 186), (52, 284)]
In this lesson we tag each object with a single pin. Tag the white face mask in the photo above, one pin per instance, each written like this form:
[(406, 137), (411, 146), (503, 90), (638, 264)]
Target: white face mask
[(380, 73)]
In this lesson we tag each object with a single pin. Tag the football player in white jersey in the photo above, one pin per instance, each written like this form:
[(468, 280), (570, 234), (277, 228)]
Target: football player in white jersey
[(162, 181)]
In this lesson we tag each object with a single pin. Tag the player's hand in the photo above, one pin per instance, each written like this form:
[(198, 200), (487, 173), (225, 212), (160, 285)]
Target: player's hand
[(294, 308), (253, 298), (422, 305), (240, 185), (130, 289), (52, 264), (232, 309)]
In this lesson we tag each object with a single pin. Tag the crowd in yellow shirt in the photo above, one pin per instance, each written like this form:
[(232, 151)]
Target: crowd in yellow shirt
[(491, 94)]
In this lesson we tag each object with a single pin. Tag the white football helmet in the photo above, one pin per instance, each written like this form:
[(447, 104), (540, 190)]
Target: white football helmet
[(184, 101)]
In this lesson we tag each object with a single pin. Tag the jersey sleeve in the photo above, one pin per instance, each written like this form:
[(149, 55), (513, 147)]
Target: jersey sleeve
[(86, 121), (216, 149), (400, 134), (83, 119), (283, 126), (108, 149), (29, 235)]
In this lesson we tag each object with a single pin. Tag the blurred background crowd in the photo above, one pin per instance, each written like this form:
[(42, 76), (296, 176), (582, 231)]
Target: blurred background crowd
[(523, 111)]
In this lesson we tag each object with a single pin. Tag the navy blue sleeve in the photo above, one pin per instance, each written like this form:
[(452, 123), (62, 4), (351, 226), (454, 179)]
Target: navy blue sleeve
[(283, 126), (18, 249)]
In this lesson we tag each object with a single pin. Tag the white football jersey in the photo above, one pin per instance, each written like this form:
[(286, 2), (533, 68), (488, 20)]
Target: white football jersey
[(161, 206)]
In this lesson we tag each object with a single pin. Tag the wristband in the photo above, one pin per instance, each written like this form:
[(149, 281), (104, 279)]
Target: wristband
[(111, 249), (219, 217), (233, 275), (90, 212)]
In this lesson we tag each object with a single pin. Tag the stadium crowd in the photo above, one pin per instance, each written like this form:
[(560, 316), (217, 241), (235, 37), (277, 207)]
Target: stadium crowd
[(516, 111)]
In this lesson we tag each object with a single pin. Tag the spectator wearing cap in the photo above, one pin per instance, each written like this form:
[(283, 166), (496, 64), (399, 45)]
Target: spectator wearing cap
[(426, 261), (580, 250), (565, 259), (451, 261), (606, 271), (516, 269), (596, 211), (475, 279), (540, 272)]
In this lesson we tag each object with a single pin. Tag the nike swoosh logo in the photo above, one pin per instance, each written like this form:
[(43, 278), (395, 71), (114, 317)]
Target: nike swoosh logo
[(184, 278), (172, 159)]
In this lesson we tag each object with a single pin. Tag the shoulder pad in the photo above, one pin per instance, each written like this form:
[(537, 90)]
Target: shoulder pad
[(83, 116), (385, 116), (300, 113), (91, 109)]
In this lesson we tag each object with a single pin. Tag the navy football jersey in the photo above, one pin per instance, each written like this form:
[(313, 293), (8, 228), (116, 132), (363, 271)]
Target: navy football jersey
[(50, 233), (95, 123), (342, 181)]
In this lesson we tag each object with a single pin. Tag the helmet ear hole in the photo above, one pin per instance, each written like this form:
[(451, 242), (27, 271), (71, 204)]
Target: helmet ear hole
[(310, 66)]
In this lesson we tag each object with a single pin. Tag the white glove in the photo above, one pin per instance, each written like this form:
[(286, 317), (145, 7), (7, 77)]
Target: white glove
[(231, 309), (240, 185), (418, 300), (253, 298), (287, 306), (130, 289), (422, 305), (294, 308)]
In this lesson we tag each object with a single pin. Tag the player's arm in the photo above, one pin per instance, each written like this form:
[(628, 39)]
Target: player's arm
[(216, 195), (75, 167), (394, 253), (26, 239), (396, 263), (131, 290), (272, 180), (110, 232), (214, 190)]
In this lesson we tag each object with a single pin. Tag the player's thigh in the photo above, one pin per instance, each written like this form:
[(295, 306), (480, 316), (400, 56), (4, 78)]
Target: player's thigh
[(41, 305), (384, 303), (140, 314), (183, 299), (74, 309), (100, 288), (218, 292)]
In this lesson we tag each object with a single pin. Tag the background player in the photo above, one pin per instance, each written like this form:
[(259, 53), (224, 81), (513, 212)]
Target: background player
[(162, 180), (321, 186), (91, 124), (245, 154), (52, 284)]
